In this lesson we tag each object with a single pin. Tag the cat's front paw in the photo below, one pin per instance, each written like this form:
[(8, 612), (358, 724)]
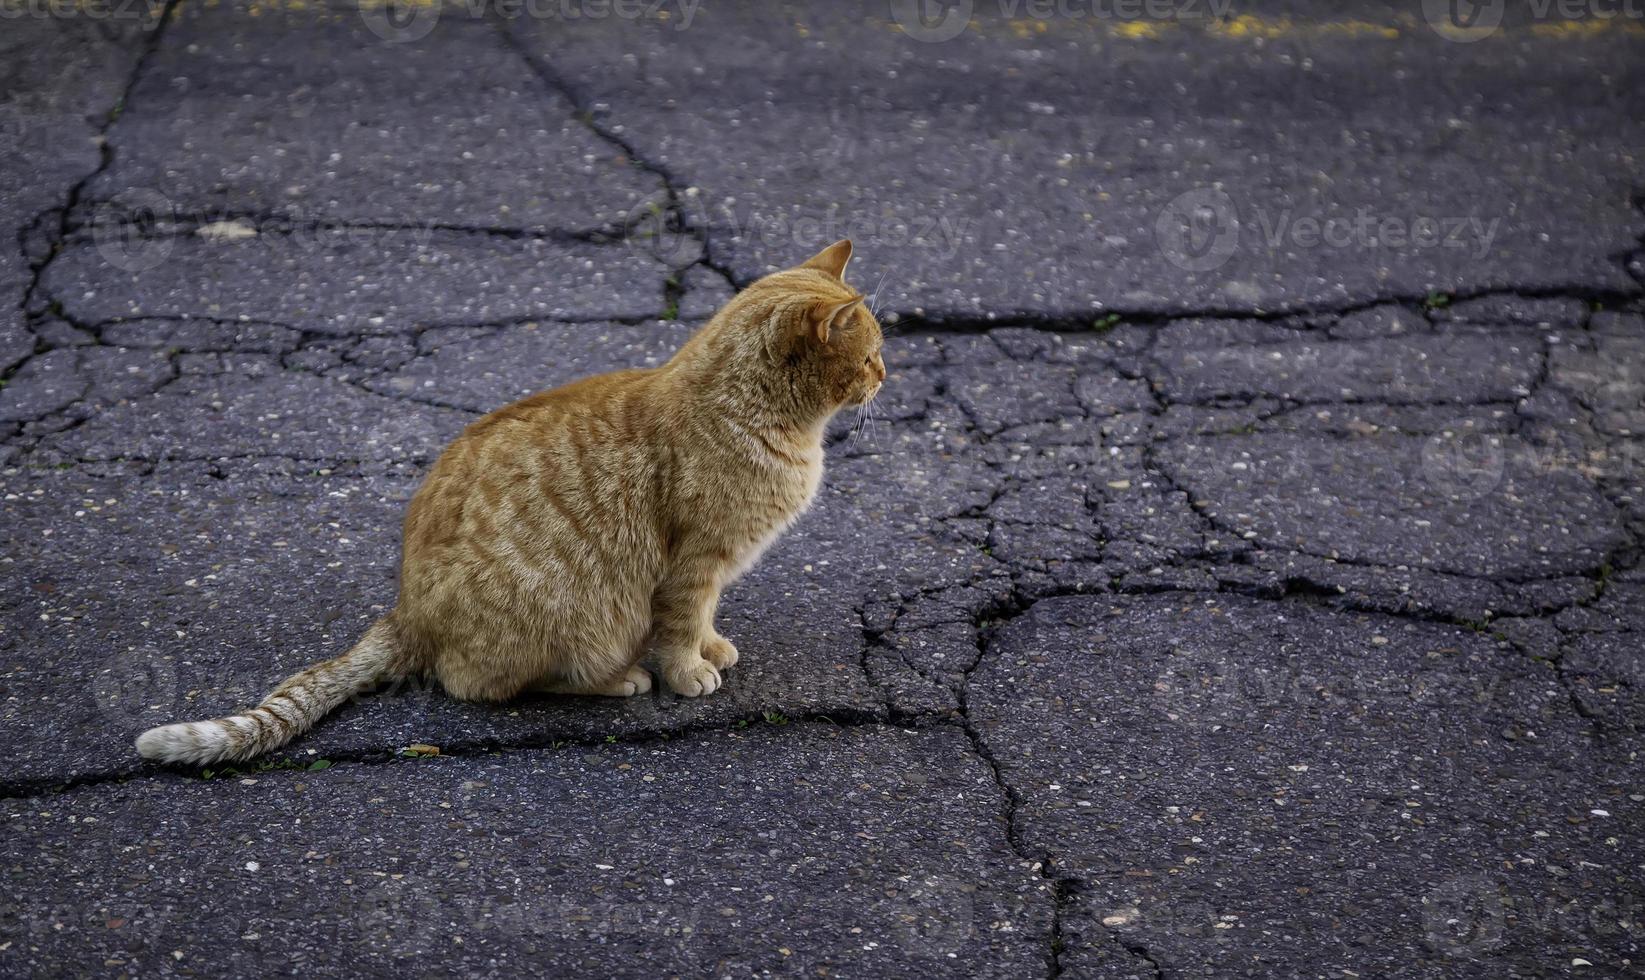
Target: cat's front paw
[(720, 652), (636, 681), (692, 677)]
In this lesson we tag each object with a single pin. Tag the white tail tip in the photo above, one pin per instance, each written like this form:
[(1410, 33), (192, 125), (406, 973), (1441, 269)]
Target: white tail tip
[(186, 742)]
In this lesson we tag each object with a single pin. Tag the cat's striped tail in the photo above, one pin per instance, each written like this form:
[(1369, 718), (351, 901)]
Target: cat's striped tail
[(292, 709)]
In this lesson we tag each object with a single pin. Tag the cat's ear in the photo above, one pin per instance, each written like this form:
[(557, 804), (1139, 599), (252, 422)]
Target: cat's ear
[(832, 259), (823, 314)]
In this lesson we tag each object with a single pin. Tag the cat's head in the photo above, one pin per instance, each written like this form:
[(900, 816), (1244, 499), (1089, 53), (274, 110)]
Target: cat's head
[(814, 330)]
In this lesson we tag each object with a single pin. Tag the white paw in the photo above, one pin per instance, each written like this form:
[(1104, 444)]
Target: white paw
[(720, 652), (694, 679), (637, 681)]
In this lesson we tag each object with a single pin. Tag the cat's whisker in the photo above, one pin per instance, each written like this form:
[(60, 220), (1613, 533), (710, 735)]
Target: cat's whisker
[(865, 422), (856, 432), (874, 302)]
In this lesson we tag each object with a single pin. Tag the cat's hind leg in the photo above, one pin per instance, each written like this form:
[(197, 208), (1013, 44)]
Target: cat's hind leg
[(635, 680)]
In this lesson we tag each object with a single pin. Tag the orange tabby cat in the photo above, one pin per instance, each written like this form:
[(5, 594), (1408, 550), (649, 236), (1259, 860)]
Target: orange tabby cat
[(559, 533)]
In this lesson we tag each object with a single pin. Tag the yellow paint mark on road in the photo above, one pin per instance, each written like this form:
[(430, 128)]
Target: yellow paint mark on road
[(1592, 27), (1134, 29), (1023, 27), (1276, 28), (1252, 27)]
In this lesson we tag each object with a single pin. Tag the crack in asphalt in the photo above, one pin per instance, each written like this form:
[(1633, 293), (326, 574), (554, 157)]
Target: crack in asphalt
[(988, 621), (276, 224), (54, 239), (989, 616), (149, 465), (672, 211), (470, 748), (1040, 862), (40, 227), (1154, 466), (1099, 321)]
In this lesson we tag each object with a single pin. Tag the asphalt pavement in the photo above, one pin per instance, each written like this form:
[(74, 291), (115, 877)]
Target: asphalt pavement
[(1238, 576)]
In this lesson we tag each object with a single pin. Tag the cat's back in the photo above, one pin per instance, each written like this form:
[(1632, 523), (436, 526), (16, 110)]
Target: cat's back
[(580, 449), (620, 397)]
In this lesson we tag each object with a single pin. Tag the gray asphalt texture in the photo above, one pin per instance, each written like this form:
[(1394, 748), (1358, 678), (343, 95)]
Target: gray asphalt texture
[(1239, 575)]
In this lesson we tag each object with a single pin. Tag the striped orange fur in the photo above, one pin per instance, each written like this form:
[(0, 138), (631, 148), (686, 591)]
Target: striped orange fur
[(559, 534)]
